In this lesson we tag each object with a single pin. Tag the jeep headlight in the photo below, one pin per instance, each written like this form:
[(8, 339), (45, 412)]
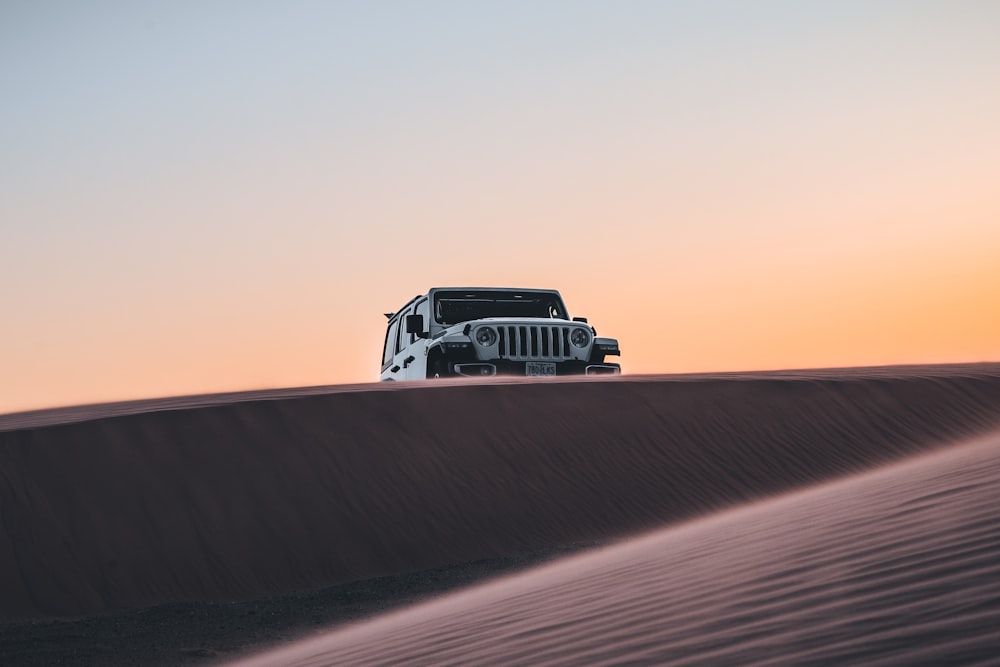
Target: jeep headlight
[(580, 337), (486, 336)]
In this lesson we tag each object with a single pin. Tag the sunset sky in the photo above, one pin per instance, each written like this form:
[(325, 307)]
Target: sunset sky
[(214, 196)]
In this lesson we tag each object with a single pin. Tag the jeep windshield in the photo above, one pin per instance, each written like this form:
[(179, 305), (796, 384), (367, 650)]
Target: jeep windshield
[(453, 307)]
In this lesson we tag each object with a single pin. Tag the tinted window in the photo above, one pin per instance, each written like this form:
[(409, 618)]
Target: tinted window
[(454, 306), (401, 339), (390, 339)]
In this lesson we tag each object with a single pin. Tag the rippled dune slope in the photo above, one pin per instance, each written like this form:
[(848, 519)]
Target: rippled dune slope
[(898, 566)]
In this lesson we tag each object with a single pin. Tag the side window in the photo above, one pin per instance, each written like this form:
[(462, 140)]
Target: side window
[(402, 340), (390, 341), (423, 308)]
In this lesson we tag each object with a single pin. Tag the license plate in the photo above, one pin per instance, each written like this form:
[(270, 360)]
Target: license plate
[(539, 368)]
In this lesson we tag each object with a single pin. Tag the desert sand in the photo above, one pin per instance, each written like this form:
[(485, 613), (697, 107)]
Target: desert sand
[(896, 567), (784, 517)]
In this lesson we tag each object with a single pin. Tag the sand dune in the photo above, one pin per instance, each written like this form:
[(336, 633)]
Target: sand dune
[(277, 493), (899, 566)]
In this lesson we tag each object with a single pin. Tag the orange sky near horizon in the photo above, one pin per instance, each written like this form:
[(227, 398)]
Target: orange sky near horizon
[(721, 187)]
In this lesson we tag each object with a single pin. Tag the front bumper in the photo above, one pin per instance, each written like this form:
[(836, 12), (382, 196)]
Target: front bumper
[(520, 368)]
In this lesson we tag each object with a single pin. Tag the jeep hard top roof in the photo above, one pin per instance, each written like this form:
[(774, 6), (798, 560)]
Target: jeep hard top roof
[(480, 292)]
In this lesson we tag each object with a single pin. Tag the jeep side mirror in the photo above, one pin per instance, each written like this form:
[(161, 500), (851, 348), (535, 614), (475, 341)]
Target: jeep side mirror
[(415, 325), (580, 319)]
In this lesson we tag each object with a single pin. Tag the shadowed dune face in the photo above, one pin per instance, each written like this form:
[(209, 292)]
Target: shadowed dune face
[(899, 566), (261, 497)]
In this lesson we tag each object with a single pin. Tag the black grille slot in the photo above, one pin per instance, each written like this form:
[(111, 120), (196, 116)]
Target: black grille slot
[(534, 342)]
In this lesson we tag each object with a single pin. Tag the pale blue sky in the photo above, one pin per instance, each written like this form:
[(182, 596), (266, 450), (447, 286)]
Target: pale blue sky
[(176, 171)]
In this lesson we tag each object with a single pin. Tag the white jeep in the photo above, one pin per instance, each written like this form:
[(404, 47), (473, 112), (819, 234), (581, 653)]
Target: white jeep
[(476, 331)]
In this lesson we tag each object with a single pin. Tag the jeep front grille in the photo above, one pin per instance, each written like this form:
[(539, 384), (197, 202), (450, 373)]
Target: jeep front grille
[(532, 341)]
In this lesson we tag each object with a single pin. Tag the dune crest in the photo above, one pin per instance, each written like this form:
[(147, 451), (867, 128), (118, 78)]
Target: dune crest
[(275, 494)]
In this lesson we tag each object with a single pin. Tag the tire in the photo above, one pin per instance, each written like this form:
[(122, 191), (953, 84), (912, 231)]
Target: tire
[(437, 367)]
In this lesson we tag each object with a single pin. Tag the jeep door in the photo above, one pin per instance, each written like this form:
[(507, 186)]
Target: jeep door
[(399, 368), (416, 368)]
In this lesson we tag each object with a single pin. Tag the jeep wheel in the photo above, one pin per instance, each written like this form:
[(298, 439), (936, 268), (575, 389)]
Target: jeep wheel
[(437, 368)]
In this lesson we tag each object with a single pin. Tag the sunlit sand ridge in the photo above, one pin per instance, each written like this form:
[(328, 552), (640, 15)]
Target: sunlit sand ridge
[(248, 496)]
